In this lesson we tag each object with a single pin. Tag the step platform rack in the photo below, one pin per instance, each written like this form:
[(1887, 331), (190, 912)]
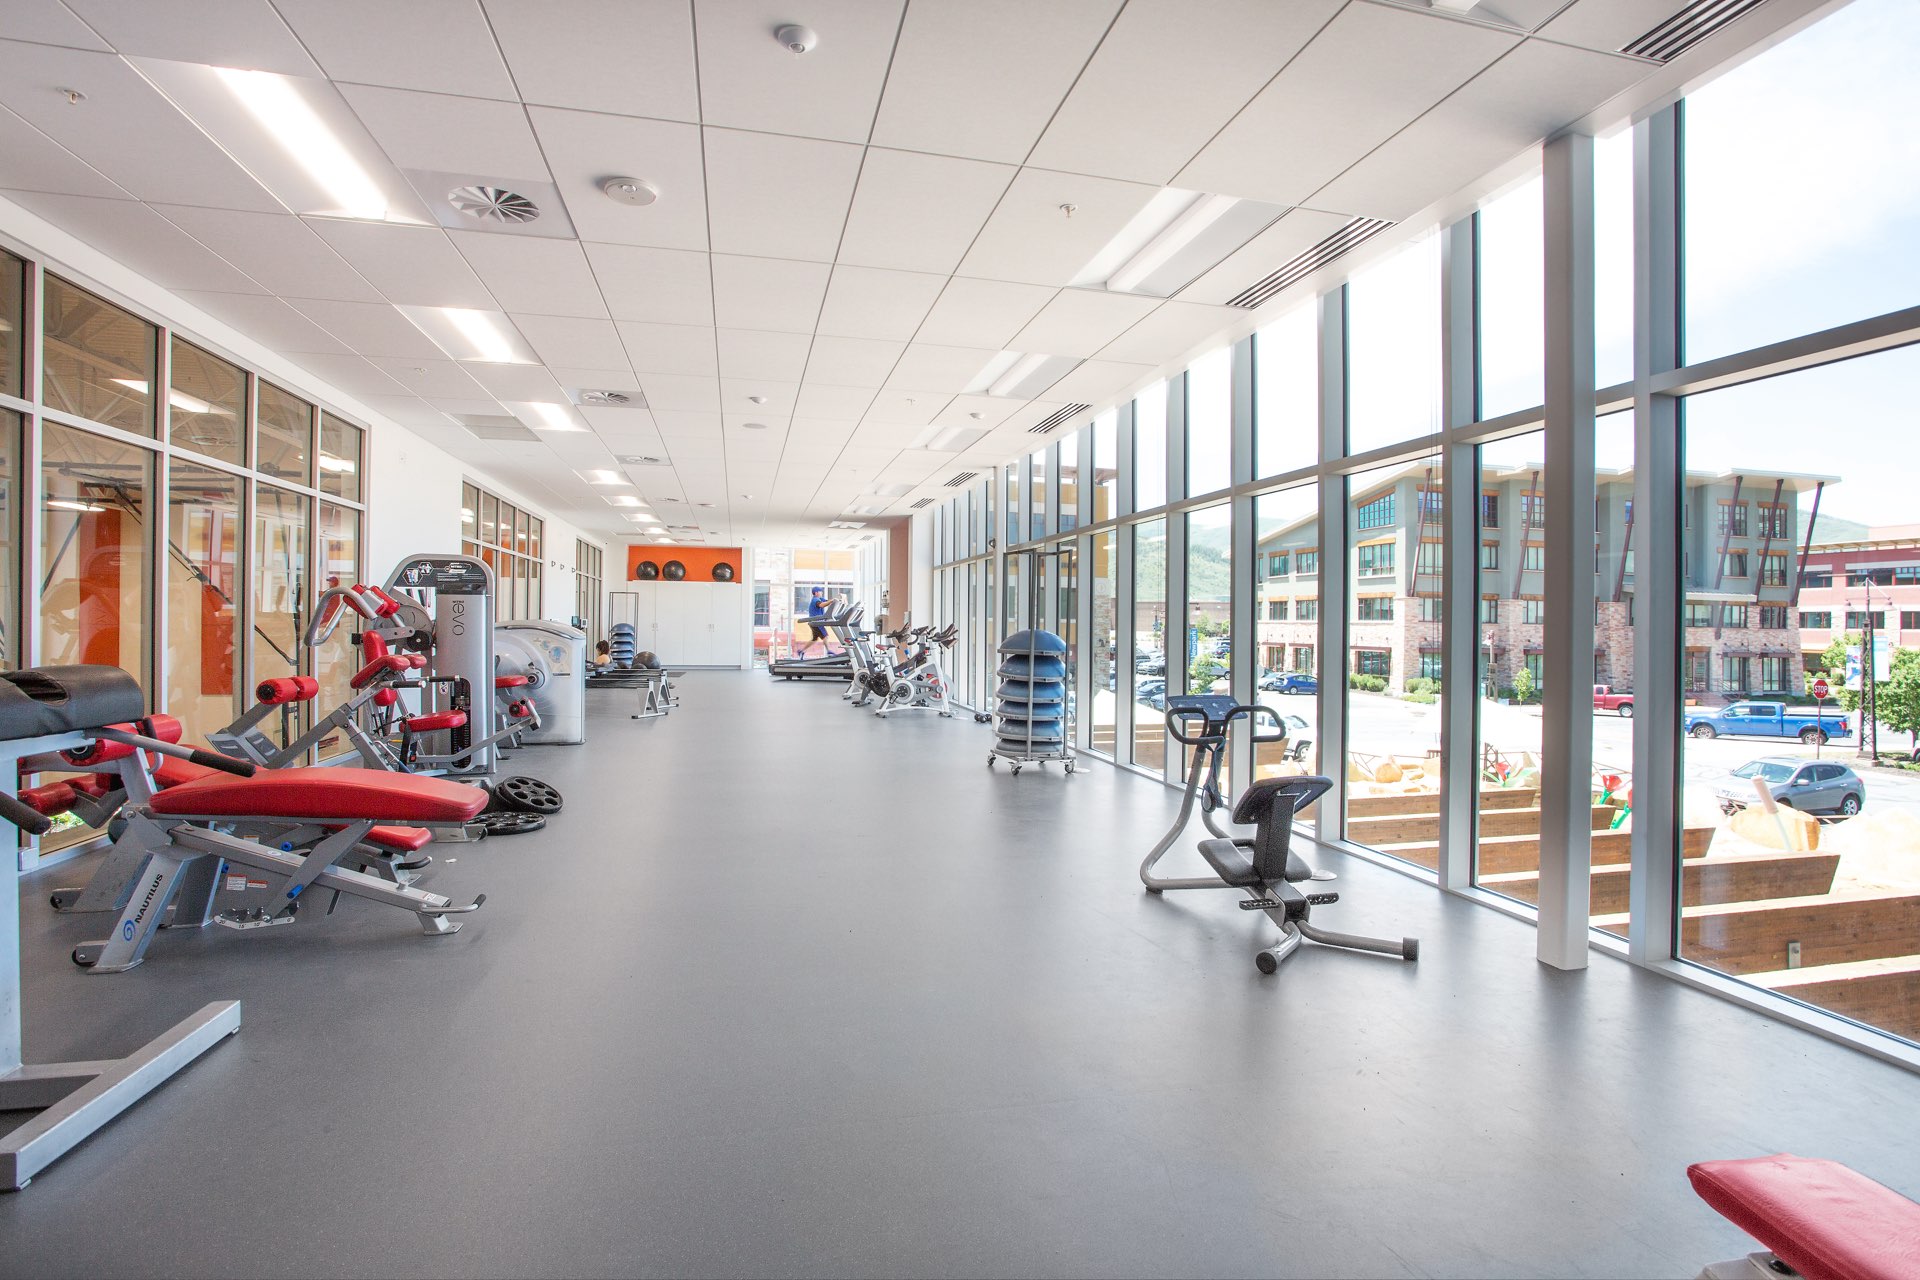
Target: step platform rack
[(1033, 706)]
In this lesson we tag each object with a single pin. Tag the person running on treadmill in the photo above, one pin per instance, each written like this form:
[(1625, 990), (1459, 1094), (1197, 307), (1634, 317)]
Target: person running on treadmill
[(816, 610)]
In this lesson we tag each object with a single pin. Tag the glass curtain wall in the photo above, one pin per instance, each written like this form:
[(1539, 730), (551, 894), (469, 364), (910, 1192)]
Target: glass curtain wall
[(1286, 616), (205, 662), (1151, 652), (508, 539)]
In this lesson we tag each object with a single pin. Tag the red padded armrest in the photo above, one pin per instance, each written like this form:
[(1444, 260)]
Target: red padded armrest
[(508, 682), (436, 720), (48, 799), (1820, 1217)]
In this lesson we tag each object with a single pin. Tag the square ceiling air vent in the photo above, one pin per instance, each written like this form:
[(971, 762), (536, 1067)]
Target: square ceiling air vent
[(497, 428), (1688, 28)]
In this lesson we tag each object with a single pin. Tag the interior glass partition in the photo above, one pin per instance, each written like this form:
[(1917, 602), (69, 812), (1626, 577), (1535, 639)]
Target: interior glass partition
[(97, 360), (280, 592), (96, 600), (204, 667), (13, 324), (207, 405), (10, 459)]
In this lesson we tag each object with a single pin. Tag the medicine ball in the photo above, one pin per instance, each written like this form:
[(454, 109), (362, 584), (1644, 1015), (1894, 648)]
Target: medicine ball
[(646, 571), (646, 659), (674, 571), (723, 573)]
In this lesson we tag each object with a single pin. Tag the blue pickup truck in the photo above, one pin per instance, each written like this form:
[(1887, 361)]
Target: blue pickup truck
[(1769, 720)]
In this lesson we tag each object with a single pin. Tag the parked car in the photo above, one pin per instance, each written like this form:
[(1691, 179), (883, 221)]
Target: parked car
[(1811, 786), (1605, 699), (1769, 720), (1289, 682), (1149, 687), (1150, 664)]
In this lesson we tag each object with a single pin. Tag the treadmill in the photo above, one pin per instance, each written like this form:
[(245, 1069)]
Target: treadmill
[(839, 666)]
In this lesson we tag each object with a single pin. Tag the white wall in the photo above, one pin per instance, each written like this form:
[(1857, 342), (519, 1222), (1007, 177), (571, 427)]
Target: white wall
[(920, 529), (413, 486)]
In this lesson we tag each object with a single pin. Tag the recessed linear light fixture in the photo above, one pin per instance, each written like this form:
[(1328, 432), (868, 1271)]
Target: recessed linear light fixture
[(1020, 374), (623, 500), (644, 517), (178, 399), (947, 439), (545, 415), (470, 336), (1176, 236), (295, 135), (603, 476)]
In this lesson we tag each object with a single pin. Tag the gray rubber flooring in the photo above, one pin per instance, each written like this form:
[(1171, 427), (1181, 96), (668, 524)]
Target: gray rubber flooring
[(789, 990)]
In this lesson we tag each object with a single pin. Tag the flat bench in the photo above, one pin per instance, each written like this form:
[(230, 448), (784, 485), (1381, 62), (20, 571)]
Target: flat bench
[(1817, 1216)]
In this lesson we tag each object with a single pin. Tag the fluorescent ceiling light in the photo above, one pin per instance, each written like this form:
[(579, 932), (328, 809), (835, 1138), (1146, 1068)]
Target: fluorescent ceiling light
[(68, 504), (1181, 232), (990, 371), (283, 112), (603, 476), (338, 466), (644, 517), (948, 439), (1021, 370), (470, 336), (622, 500), (178, 399), (545, 415)]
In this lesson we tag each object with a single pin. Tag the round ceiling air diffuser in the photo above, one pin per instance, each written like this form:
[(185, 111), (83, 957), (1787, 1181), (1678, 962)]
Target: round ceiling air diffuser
[(605, 397), (493, 204)]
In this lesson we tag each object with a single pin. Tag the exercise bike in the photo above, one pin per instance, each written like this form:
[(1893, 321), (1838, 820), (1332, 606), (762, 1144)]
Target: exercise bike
[(918, 682), (1264, 865)]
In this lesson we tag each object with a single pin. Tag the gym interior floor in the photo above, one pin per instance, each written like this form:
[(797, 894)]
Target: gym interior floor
[(788, 990)]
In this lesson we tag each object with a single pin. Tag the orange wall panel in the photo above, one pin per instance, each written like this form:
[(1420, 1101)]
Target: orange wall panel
[(699, 560)]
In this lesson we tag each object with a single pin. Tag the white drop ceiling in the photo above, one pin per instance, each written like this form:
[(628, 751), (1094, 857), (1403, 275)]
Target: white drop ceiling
[(842, 240)]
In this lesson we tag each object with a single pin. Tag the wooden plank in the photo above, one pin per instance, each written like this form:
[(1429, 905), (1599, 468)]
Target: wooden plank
[(1729, 878), (1499, 855), (1883, 993), (1413, 828), (1429, 802), (1752, 937)]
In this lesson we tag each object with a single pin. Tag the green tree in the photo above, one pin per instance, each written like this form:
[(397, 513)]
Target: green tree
[(1203, 671), (1523, 685), (1896, 702), (1833, 665)]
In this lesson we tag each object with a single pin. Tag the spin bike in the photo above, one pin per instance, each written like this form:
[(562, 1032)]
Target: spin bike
[(1264, 865)]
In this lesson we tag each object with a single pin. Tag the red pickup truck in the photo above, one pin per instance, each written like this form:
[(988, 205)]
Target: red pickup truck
[(1605, 699)]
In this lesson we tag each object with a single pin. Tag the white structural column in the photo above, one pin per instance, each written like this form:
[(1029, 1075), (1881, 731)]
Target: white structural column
[(1566, 756), (1332, 666), (1245, 655), (1460, 602), (1657, 499)]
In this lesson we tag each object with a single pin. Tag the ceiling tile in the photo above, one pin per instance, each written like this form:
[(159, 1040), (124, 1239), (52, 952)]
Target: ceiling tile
[(767, 293), (277, 249), (1609, 24), (652, 76), (925, 367), (982, 412), (749, 81), (267, 320), (778, 197), (599, 380), (1097, 380), (224, 33), (1030, 237), (350, 374), (663, 286), (819, 400), (515, 381), (408, 411), (370, 328), (439, 380), (856, 362), (1297, 231), (529, 273), (1528, 95), (981, 79), (416, 266), (916, 212), (1171, 331), (907, 408), (752, 353), (124, 128), (669, 393), (570, 340), (1168, 76), (439, 46), (670, 348), (140, 238), (470, 402), (866, 302), (50, 22), (736, 396), (442, 133), (982, 313), (585, 149), (1078, 322), (1366, 76), (36, 162)]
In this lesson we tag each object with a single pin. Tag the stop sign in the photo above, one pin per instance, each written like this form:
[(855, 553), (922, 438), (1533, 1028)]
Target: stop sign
[(1819, 690)]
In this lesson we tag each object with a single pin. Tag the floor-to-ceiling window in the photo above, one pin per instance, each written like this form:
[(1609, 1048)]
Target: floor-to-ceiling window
[(1286, 623), (1153, 650), (205, 659), (509, 540)]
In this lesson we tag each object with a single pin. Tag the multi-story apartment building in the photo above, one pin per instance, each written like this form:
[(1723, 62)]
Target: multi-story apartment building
[(1844, 586), (1741, 542)]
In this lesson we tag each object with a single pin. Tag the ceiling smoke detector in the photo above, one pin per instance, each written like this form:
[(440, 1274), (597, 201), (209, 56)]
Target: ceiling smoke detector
[(605, 397), (796, 39), (641, 460), (634, 191), (493, 204)]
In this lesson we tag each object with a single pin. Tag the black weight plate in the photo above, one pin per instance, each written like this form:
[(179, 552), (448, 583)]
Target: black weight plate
[(511, 824), (521, 794)]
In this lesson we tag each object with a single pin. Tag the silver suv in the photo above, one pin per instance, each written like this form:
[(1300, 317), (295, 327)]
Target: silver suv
[(1811, 786)]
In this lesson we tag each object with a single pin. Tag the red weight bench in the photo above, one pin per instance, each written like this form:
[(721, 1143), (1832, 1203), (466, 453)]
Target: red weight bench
[(1818, 1217), (294, 826)]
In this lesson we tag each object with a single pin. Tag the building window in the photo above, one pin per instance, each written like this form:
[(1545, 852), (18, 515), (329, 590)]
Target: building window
[(1303, 658), (1372, 662), (1306, 610), (1489, 555), (1489, 511), (98, 359), (1533, 510), (1430, 666), (1277, 565), (1375, 560), (1377, 514), (1698, 615), (1533, 558), (1306, 563), (1910, 619), (1276, 611), (1773, 617), (1533, 612), (1431, 609), (1696, 670), (1773, 675), (1734, 615), (1736, 564), (509, 540), (1818, 620), (1731, 519), (1733, 674), (1433, 505), (1536, 664), (1820, 579), (1489, 609), (1375, 609), (1773, 571), (1773, 521)]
